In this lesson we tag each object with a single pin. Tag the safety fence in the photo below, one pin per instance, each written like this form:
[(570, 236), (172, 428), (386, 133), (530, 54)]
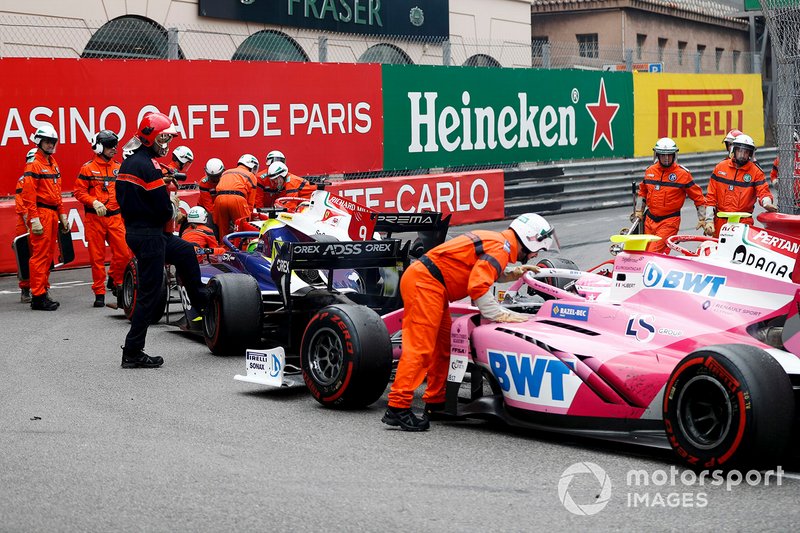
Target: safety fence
[(783, 21), (133, 37)]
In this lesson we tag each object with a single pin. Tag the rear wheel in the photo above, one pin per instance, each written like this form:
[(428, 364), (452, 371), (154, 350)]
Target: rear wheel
[(728, 404), (232, 318), (346, 356), (127, 295)]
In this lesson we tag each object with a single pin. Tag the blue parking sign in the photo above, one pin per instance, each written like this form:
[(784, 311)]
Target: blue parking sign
[(655, 67)]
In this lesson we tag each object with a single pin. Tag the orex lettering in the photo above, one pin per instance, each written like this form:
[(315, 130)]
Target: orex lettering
[(522, 126)]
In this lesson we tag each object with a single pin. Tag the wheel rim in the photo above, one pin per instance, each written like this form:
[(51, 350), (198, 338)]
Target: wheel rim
[(211, 319), (704, 412), (127, 291), (326, 356)]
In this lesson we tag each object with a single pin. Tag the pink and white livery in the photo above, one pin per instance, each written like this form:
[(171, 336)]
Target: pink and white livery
[(699, 351)]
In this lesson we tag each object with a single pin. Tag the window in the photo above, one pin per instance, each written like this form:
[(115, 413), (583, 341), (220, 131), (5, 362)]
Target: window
[(736, 54), (662, 44), (132, 38), (481, 60), (681, 51), (718, 57), (537, 44), (270, 45), (587, 45), (640, 39), (386, 54)]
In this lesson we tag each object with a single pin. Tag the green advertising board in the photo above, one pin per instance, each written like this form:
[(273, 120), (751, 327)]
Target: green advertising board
[(453, 116)]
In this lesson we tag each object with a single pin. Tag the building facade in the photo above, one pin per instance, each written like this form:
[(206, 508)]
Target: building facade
[(476, 32), (678, 36)]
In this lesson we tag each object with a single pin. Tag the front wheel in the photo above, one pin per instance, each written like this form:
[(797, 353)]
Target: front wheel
[(232, 318), (728, 404), (346, 356)]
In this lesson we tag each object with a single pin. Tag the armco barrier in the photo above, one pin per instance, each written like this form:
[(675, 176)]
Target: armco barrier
[(589, 185)]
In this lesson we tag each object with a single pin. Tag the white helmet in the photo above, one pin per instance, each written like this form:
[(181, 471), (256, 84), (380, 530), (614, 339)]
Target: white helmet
[(278, 170), (748, 144), (250, 161), (183, 155), (275, 155), (197, 215), (533, 231), (665, 145), (214, 167), (30, 155), (45, 132)]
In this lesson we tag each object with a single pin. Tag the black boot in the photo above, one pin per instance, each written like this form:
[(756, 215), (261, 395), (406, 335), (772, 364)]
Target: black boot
[(49, 299), (405, 419), (99, 300), (25, 295), (113, 287), (43, 303), (139, 359)]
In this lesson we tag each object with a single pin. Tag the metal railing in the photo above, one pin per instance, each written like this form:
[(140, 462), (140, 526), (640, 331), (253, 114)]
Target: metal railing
[(598, 184)]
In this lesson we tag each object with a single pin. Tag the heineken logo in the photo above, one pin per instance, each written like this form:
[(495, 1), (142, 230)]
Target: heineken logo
[(517, 124), (481, 128)]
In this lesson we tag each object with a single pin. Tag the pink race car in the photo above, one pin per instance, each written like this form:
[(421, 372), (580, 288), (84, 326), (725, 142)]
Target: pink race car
[(697, 352)]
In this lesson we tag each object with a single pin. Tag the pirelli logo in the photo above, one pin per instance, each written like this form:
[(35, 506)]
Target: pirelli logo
[(685, 113)]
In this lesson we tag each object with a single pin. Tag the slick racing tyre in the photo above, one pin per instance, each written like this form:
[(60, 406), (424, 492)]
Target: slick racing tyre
[(128, 294), (346, 356), (558, 262), (728, 405), (232, 318)]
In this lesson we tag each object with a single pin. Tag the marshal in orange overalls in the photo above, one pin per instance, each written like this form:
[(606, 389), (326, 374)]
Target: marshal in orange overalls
[(97, 181), (41, 196), (467, 265), (236, 192), (733, 189), (664, 190)]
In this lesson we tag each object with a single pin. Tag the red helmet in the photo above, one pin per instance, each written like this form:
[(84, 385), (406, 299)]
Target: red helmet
[(153, 125), (731, 135)]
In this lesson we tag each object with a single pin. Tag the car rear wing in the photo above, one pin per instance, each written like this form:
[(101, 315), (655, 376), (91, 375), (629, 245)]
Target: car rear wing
[(431, 227), (338, 255)]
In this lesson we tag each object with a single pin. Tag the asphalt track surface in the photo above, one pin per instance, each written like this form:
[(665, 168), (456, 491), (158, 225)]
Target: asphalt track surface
[(87, 446)]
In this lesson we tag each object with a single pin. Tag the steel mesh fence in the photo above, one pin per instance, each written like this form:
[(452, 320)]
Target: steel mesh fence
[(133, 37), (783, 22)]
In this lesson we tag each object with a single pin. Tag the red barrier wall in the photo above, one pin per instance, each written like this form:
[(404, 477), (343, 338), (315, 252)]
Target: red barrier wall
[(469, 196), (74, 211), (325, 117)]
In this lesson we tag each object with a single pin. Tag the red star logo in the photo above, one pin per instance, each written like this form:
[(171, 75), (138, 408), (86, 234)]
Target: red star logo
[(602, 113)]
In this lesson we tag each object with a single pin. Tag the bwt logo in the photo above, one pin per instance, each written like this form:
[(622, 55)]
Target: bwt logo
[(715, 112), (678, 280), (526, 374)]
